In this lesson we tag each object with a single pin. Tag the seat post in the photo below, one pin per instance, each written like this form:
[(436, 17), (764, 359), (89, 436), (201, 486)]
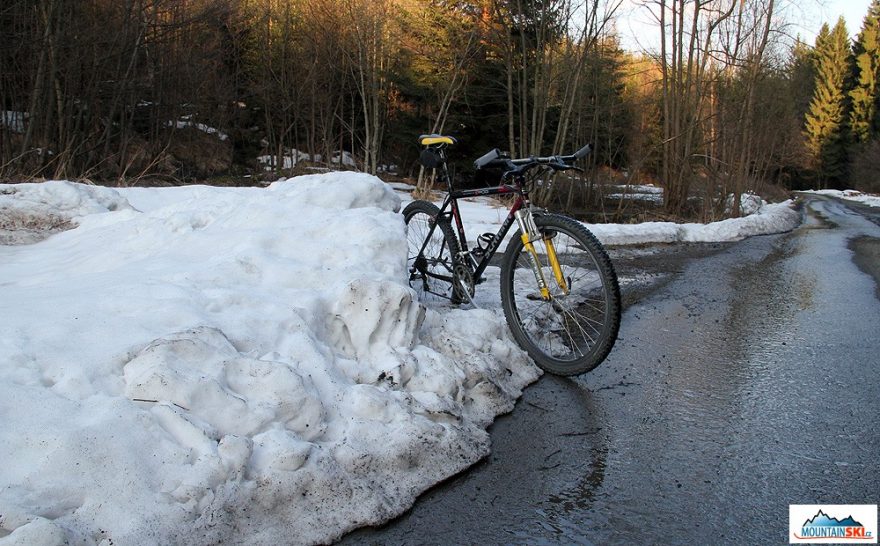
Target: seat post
[(436, 143), (446, 177)]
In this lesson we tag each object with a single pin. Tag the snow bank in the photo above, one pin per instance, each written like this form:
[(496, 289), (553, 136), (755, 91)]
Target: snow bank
[(482, 215), (769, 218), (243, 365), (851, 195), (240, 365)]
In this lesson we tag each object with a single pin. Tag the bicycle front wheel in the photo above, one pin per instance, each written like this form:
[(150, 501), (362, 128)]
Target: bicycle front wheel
[(571, 328)]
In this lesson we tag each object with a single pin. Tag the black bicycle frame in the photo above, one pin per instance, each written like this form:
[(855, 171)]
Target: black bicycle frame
[(451, 203)]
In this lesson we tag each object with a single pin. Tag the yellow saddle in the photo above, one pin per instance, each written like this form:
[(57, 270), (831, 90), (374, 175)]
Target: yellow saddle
[(430, 140)]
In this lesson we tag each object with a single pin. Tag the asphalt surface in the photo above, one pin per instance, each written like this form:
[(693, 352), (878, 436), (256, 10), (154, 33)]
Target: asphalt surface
[(746, 378)]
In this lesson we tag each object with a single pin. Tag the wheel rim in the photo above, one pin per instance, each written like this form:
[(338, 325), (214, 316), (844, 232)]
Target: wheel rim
[(567, 327)]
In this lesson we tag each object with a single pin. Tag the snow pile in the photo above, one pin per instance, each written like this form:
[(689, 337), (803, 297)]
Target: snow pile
[(240, 365), (344, 158), (31, 212), (749, 203)]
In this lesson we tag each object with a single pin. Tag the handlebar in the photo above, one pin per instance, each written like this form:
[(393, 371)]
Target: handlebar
[(495, 159), (582, 152)]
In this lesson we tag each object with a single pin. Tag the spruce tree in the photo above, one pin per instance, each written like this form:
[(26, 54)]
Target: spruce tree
[(826, 120), (863, 118)]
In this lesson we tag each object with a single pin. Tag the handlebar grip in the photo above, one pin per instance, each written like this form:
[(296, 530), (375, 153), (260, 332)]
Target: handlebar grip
[(582, 152), (487, 158)]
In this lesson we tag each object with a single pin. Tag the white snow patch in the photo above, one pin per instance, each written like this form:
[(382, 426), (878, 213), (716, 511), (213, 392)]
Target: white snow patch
[(13, 120), (292, 156), (186, 124), (636, 192), (649, 197), (289, 159), (749, 203)]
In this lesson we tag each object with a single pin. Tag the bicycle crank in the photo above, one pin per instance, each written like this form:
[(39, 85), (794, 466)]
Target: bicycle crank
[(463, 286)]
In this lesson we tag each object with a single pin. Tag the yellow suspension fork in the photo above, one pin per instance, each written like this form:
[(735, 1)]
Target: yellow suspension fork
[(530, 234), (554, 264)]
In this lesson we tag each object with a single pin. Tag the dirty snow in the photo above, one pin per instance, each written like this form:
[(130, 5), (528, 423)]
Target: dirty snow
[(198, 365)]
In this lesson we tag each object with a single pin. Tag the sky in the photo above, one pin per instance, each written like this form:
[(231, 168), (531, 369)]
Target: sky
[(853, 11), (638, 29)]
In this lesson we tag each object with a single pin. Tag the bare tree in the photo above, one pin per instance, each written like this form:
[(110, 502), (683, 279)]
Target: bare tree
[(371, 53)]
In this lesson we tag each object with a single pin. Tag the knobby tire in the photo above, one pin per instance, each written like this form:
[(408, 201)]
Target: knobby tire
[(568, 334)]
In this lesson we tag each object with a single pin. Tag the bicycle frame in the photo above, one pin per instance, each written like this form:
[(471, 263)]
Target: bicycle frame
[(450, 208), (451, 203)]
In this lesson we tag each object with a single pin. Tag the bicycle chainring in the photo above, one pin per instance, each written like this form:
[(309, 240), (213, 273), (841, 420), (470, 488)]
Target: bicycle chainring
[(463, 286)]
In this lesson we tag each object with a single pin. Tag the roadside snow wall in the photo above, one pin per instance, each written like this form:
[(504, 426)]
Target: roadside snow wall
[(201, 365)]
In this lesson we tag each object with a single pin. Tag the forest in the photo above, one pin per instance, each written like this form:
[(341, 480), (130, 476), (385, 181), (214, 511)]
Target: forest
[(125, 92)]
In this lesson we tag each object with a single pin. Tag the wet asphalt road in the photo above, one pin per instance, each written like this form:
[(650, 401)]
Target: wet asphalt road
[(746, 378)]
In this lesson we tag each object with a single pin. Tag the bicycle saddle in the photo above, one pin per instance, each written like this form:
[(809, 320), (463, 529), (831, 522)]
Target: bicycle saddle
[(429, 140)]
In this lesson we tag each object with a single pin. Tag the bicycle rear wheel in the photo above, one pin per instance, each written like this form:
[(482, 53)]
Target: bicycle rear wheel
[(574, 329), (429, 260)]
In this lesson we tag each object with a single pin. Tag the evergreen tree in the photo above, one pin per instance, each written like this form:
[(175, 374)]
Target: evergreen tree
[(826, 120), (863, 118)]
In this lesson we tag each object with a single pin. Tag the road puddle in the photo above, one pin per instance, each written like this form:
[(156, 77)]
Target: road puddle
[(866, 255)]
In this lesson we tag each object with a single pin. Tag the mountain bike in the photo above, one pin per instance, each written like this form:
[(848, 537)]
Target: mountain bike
[(559, 291)]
